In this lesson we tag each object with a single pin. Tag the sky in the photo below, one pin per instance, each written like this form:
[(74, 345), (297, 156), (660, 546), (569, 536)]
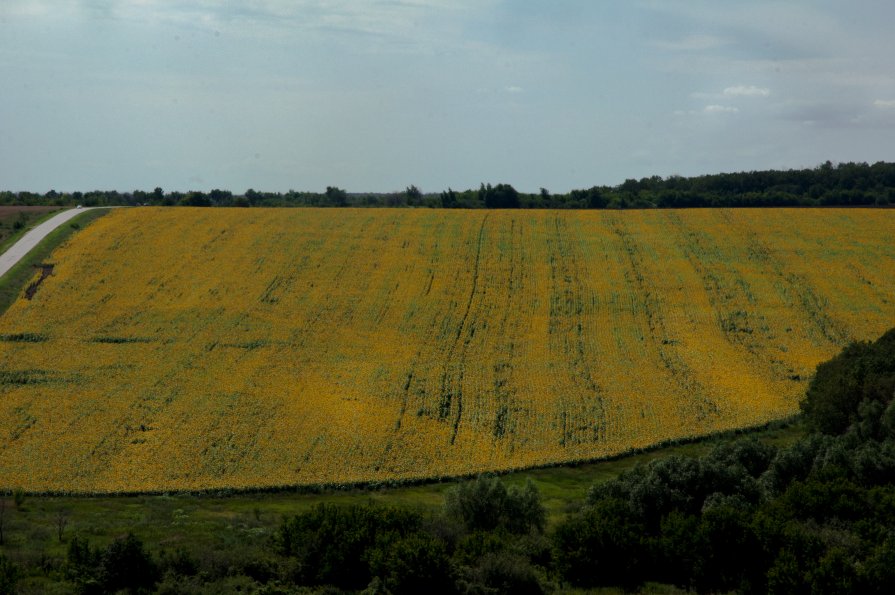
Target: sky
[(376, 95)]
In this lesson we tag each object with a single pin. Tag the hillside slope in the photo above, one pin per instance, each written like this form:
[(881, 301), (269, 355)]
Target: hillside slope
[(195, 348)]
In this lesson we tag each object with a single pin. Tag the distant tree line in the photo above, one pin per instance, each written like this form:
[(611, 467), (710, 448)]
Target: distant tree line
[(844, 184)]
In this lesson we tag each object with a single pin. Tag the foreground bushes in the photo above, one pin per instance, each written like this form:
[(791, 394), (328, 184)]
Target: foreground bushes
[(489, 539), (817, 517)]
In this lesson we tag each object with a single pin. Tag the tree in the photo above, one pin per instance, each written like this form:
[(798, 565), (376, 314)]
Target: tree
[(415, 564), (601, 546), (253, 196), (125, 564), (413, 195), (525, 513), (862, 371), (334, 544), (449, 199), (195, 198), (336, 196), (480, 505), (82, 564), (501, 572), (592, 198), (61, 522), (502, 196), (487, 505), (220, 198)]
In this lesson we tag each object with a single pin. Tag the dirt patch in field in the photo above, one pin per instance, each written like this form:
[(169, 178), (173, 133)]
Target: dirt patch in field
[(45, 271)]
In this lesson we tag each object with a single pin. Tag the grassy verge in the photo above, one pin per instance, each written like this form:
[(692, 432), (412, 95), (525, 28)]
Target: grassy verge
[(32, 220), (12, 283), (227, 527)]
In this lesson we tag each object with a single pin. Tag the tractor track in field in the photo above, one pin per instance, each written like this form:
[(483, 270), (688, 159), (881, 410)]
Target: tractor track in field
[(447, 395)]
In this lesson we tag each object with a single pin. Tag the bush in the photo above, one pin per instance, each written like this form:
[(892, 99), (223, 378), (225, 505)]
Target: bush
[(602, 546), (487, 505), (9, 576), (501, 572), (123, 566), (126, 565), (415, 564), (179, 562), (333, 545)]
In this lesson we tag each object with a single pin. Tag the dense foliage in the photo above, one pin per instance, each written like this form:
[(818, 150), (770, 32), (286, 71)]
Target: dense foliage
[(844, 184), (817, 517), (855, 387), (483, 542)]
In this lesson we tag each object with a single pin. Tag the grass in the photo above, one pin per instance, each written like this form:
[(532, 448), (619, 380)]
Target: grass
[(224, 533), (9, 235), (230, 526), (12, 283)]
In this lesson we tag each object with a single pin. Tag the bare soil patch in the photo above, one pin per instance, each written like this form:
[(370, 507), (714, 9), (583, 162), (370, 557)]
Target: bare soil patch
[(45, 271)]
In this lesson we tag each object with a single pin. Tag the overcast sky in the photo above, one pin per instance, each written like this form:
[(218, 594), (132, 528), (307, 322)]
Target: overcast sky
[(380, 94)]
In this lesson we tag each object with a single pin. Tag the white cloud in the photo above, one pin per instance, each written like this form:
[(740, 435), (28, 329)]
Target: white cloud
[(720, 109), (746, 91), (413, 20), (513, 89), (885, 103)]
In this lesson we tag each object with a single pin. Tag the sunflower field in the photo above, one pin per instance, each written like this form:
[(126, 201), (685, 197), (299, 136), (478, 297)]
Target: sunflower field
[(187, 349)]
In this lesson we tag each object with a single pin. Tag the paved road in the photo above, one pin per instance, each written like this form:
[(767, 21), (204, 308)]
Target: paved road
[(31, 239)]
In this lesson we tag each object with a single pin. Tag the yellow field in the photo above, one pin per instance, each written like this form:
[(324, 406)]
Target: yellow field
[(204, 348)]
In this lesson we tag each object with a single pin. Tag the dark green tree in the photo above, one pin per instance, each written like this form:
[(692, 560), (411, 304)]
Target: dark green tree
[(487, 505), (126, 565), (333, 544), (862, 371), (336, 197), (413, 196), (449, 199), (603, 546), (415, 564), (195, 198), (502, 196)]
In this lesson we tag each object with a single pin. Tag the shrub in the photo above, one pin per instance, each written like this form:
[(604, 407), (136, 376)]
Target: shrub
[(9, 576), (487, 505), (333, 545)]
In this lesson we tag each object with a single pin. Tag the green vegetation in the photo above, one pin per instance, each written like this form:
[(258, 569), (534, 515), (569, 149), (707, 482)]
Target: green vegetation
[(816, 517), (214, 541), (844, 184), (12, 283), (17, 221)]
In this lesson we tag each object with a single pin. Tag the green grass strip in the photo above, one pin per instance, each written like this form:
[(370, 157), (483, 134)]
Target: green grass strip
[(243, 523), (15, 280), (16, 235)]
